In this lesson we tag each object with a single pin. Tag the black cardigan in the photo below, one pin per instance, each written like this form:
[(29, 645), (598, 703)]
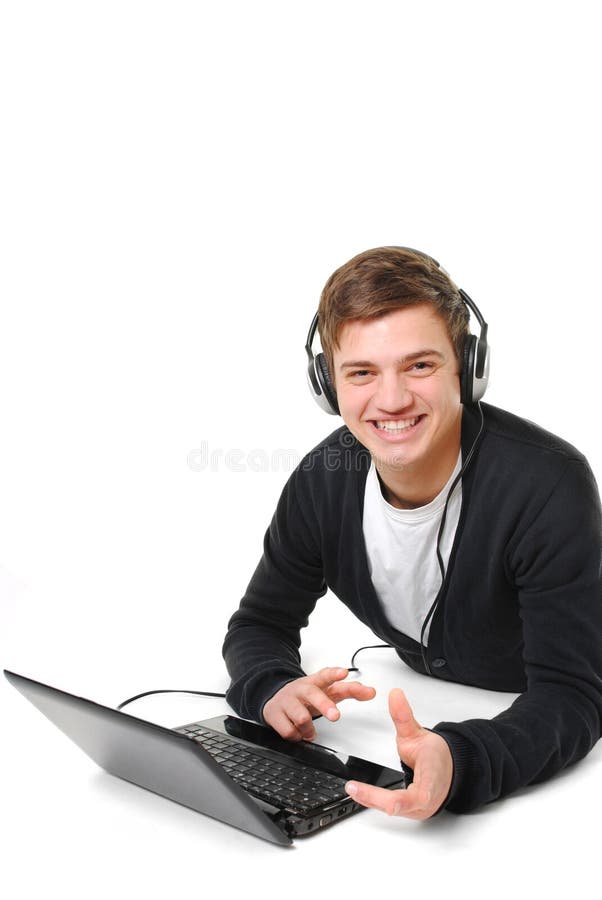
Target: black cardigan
[(520, 610)]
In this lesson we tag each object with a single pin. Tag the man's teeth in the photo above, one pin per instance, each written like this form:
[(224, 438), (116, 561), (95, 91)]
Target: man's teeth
[(395, 426)]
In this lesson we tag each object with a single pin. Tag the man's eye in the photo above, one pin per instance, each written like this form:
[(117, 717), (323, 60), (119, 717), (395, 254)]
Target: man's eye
[(361, 373), (422, 368)]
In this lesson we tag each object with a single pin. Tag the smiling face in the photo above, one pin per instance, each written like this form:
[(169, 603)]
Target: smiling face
[(398, 390)]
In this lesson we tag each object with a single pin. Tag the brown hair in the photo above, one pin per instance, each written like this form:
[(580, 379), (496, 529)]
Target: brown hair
[(381, 281)]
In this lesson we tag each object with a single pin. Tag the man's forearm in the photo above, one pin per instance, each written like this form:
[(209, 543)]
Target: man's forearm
[(544, 731), (259, 662)]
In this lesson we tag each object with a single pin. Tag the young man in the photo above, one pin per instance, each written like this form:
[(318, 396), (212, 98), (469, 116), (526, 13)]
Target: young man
[(465, 537)]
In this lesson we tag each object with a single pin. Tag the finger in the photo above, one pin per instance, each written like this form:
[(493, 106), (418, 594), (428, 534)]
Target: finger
[(320, 701), (280, 722), (280, 713), (350, 689), (406, 725), (299, 715), (324, 677), (413, 803)]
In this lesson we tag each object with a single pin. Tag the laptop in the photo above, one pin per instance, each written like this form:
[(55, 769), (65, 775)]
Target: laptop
[(238, 772)]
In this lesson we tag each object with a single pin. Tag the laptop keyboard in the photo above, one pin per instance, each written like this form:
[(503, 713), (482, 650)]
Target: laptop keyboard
[(295, 786)]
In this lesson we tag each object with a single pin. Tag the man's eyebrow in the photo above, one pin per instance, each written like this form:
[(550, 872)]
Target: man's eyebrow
[(410, 357)]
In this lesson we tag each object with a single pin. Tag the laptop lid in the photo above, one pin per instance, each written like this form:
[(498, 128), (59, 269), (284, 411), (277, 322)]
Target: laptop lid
[(151, 756)]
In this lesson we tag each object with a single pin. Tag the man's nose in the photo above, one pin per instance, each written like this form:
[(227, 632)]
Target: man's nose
[(393, 394)]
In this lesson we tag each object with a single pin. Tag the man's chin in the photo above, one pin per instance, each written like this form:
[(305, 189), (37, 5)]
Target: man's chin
[(395, 460), (390, 457)]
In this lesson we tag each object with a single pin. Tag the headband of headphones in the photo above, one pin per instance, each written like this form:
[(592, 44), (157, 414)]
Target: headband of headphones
[(474, 373)]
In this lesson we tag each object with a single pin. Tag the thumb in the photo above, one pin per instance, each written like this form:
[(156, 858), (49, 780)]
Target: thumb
[(406, 725)]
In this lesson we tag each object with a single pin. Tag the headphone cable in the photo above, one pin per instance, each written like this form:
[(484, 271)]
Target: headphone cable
[(351, 667), (442, 569)]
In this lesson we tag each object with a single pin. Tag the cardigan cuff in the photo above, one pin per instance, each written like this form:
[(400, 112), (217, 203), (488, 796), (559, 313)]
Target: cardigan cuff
[(459, 798)]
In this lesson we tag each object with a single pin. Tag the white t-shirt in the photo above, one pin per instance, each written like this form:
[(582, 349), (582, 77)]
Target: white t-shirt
[(402, 552)]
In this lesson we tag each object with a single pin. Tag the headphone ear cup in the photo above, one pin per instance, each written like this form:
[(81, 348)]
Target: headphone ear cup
[(326, 383), (468, 368)]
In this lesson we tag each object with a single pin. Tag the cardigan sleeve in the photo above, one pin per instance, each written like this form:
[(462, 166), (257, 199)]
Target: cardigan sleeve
[(555, 563), (261, 648)]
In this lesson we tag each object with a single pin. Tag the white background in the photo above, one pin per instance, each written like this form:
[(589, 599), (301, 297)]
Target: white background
[(178, 180)]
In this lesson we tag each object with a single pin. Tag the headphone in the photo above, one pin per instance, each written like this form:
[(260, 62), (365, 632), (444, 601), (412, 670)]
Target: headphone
[(474, 374)]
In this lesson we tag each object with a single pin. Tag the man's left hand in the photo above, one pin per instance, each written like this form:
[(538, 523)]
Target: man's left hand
[(423, 751)]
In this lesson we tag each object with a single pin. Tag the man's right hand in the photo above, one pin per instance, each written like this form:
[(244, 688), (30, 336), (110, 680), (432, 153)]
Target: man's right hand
[(290, 710)]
